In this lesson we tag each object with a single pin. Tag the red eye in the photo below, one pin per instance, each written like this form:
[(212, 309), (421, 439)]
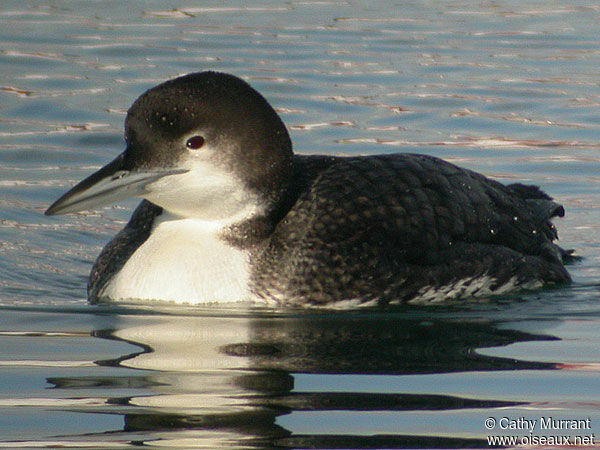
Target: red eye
[(195, 142)]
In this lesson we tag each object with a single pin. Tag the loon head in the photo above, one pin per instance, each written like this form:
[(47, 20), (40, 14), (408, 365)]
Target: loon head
[(205, 145)]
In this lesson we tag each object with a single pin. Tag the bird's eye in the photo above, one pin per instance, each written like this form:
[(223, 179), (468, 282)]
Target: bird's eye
[(195, 142)]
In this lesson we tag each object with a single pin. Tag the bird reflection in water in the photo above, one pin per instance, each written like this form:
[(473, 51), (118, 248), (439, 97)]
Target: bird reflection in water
[(224, 380)]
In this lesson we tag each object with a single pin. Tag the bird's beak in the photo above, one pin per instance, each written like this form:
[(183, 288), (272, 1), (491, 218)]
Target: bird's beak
[(110, 184)]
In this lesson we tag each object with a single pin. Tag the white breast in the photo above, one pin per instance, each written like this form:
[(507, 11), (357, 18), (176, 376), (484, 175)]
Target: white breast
[(183, 261)]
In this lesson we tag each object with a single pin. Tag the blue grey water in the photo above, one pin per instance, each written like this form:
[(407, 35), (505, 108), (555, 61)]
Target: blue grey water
[(508, 88)]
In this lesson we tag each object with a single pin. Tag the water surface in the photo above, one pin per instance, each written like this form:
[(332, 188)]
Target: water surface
[(506, 88)]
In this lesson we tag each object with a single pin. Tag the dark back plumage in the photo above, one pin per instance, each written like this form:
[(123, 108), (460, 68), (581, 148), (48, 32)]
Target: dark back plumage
[(394, 227)]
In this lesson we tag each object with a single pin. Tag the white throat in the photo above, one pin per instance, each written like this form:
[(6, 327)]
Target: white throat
[(205, 192), (184, 261)]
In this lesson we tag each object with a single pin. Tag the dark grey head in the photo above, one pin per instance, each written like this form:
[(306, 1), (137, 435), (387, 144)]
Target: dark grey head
[(205, 145)]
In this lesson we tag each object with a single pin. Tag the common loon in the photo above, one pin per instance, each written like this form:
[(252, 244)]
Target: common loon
[(231, 214)]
